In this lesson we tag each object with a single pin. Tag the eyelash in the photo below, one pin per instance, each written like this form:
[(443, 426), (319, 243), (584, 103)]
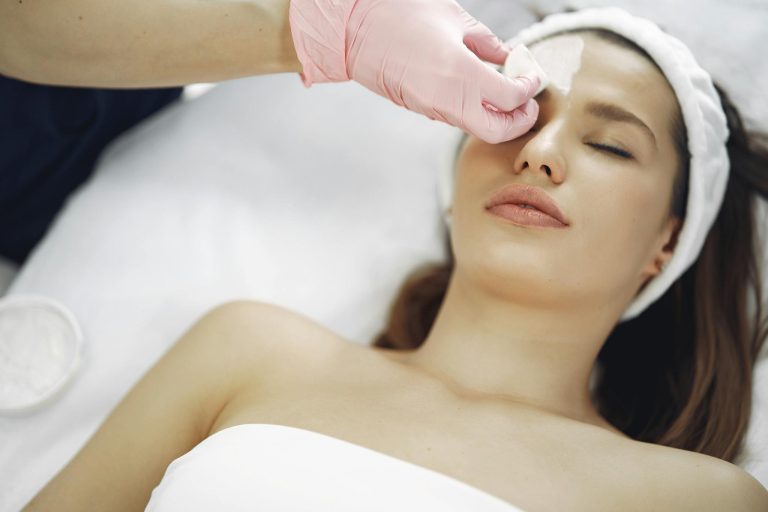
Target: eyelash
[(605, 148), (611, 149)]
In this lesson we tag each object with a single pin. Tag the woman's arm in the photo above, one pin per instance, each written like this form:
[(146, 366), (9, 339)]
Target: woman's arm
[(166, 414), (144, 43)]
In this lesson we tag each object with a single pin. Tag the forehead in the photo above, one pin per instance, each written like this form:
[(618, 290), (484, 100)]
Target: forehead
[(605, 71)]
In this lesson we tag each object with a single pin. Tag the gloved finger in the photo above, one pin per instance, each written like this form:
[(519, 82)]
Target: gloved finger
[(495, 127), (485, 44), (503, 92)]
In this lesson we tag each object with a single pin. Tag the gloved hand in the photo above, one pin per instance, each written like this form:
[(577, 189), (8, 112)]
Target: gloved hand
[(422, 55)]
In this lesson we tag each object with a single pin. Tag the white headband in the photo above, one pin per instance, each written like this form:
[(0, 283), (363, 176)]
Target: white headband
[(704, 119)]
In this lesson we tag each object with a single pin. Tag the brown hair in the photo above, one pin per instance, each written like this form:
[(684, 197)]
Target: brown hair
[(680, 373)]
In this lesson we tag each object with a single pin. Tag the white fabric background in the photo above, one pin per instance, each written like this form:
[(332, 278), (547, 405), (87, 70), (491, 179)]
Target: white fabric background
[(317, 199)]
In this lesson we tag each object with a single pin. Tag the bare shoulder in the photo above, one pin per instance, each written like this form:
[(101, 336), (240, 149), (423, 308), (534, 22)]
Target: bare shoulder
[(259, 333), (722, 485), (683, 480)]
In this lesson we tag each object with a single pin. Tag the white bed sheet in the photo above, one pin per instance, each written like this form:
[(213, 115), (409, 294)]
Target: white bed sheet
[(318, 199)]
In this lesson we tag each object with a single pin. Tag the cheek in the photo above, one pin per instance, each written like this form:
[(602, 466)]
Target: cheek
[(621, 225)]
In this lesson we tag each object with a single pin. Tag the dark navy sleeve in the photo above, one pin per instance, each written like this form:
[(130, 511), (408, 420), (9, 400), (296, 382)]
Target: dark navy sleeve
[(50, 138)]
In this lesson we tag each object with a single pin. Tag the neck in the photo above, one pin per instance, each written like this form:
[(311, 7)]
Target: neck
[(485, 345)]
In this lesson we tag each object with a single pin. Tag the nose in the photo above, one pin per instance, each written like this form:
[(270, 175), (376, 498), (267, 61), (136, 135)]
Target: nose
[(541, 152)]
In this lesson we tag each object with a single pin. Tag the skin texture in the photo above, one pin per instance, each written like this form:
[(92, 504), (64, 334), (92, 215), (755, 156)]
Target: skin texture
[(142, 43), (496, 396)]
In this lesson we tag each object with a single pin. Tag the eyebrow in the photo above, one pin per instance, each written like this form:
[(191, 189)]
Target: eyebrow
[(613, 112)]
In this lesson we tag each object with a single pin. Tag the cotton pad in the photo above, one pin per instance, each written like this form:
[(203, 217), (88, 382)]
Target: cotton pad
[(40, 350), (520, 62)]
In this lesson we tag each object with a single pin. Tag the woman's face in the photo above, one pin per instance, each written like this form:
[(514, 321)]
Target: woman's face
[(617, 206)]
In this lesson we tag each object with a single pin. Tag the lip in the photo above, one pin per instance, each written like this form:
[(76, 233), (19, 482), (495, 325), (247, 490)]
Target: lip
[(508, 204)]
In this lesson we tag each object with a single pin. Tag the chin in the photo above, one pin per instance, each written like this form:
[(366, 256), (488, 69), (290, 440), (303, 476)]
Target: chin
[(507, 272)]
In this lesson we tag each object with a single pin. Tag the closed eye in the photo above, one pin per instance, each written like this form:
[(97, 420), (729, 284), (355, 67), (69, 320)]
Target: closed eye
[(611, 149)]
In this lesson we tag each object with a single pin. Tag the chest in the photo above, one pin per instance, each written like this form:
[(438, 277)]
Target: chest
[(532, 462)]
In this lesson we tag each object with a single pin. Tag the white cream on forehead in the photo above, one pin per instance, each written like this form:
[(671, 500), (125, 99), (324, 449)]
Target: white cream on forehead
[(560, 58)]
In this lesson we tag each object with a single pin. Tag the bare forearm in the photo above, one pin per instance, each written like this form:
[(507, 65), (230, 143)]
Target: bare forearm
[(143, 43)]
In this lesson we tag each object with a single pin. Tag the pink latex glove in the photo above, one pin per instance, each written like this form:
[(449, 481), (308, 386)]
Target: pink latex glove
[(423, 55)]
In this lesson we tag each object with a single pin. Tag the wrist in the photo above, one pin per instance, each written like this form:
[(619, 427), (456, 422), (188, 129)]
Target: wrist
[(318, 29), (289, 59)]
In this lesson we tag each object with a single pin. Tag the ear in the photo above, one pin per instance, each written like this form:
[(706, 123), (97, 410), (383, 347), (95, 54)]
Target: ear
[(665, 247)]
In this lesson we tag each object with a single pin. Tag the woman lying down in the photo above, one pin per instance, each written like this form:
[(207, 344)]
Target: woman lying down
[(616, 235)]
